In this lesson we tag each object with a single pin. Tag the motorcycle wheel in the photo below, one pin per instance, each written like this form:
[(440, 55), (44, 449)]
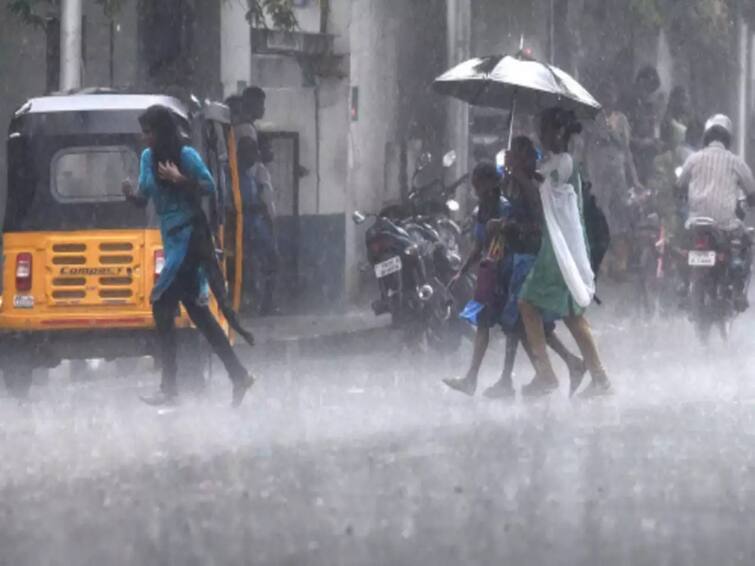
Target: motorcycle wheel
[(450, 236), (649, 282), (701, 309)]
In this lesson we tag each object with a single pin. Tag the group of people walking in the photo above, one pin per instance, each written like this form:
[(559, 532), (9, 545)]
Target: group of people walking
[(535, 264), (631, 153), (536, 247)]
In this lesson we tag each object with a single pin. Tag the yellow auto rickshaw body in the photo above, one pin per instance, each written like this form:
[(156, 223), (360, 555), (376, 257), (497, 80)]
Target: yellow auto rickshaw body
[(79, 262)]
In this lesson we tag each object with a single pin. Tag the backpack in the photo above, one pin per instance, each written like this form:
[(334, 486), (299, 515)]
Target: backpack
[(596, 226)]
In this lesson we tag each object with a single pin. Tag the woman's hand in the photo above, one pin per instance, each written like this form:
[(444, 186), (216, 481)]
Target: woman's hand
[(169, 172)]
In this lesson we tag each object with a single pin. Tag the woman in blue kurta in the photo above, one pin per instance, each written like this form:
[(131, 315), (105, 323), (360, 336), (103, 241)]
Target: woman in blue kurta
[(174, 177)]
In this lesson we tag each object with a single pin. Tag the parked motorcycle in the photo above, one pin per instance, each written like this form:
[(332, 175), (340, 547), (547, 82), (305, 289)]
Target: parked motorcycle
[(647, 264), (410, 271), (432, 203), (443, 263)]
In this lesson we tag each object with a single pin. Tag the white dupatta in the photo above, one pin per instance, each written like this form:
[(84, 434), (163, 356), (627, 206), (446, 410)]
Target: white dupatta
[(562, 216)]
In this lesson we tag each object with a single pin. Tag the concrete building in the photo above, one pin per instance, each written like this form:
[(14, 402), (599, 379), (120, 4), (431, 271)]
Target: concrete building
[(307, 118), (354, 111)]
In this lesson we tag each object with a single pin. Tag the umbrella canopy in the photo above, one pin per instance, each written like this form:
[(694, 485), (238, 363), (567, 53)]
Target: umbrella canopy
[(507, 82)]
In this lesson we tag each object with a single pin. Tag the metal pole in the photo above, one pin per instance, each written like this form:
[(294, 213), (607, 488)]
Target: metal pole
[(552, 32), (742, 114), (458, 39), (752, 73), (111, 54), (451, 39), (70, 44), (511, 120)]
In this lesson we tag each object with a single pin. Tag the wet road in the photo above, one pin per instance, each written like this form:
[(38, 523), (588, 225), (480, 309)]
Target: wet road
[(366, 459)]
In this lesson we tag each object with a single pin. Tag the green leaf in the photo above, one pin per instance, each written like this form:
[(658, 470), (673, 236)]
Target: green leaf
[(35, 13), (280, 12)]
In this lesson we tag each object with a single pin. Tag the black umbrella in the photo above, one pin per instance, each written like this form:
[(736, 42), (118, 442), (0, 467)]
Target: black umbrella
[(504, 81), (516, 83)]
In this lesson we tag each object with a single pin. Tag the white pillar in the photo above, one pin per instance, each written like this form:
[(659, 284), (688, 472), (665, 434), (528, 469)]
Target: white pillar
[(459, 26), (552, 32), (742, 102), (752, 73), (70, 44)]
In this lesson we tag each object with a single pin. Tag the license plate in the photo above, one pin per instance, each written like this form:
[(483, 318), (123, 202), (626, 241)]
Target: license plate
[(23, 302), (701, 259), (387, 267)]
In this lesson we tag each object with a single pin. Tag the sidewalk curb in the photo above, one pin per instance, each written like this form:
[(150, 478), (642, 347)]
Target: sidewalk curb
[(326, 345)]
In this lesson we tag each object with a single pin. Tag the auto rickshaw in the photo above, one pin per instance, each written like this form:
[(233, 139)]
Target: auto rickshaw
[(79, 262)]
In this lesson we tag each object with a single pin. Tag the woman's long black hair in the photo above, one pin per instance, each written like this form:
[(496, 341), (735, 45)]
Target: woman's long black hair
[(168, 143), (563, 119)]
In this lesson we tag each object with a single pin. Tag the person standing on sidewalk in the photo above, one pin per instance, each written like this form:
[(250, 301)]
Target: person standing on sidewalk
[(265, 232), (175, 178), (252, 109), (259, 231), (561, 283)]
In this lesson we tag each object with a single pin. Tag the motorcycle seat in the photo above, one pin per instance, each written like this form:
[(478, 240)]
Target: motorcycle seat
[(699, 222)]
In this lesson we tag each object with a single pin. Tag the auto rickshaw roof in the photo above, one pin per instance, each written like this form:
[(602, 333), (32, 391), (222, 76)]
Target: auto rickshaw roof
[(100, 103)]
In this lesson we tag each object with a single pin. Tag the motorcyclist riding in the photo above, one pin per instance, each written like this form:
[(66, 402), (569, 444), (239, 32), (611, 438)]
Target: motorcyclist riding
[(714, 178)]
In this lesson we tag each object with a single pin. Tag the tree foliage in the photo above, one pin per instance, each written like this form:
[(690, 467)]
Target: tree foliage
[(280, 13), (707, 23)]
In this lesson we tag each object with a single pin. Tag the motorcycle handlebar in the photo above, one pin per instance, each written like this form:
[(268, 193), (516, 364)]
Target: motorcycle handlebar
[(444, 190)]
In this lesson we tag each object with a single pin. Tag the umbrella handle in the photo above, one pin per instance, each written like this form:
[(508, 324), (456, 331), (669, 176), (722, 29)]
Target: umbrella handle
[(511, 119)]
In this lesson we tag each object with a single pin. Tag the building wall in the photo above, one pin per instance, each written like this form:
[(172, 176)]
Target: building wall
[(374, 160), (97, 58), (390, 51), (397, 49), (23, 62)]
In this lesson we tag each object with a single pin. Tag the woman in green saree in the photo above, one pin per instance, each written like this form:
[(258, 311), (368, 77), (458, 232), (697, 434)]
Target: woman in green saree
[(561, 283)]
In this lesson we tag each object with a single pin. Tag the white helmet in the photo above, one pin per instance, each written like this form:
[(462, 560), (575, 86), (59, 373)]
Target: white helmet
[(719, 121)]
